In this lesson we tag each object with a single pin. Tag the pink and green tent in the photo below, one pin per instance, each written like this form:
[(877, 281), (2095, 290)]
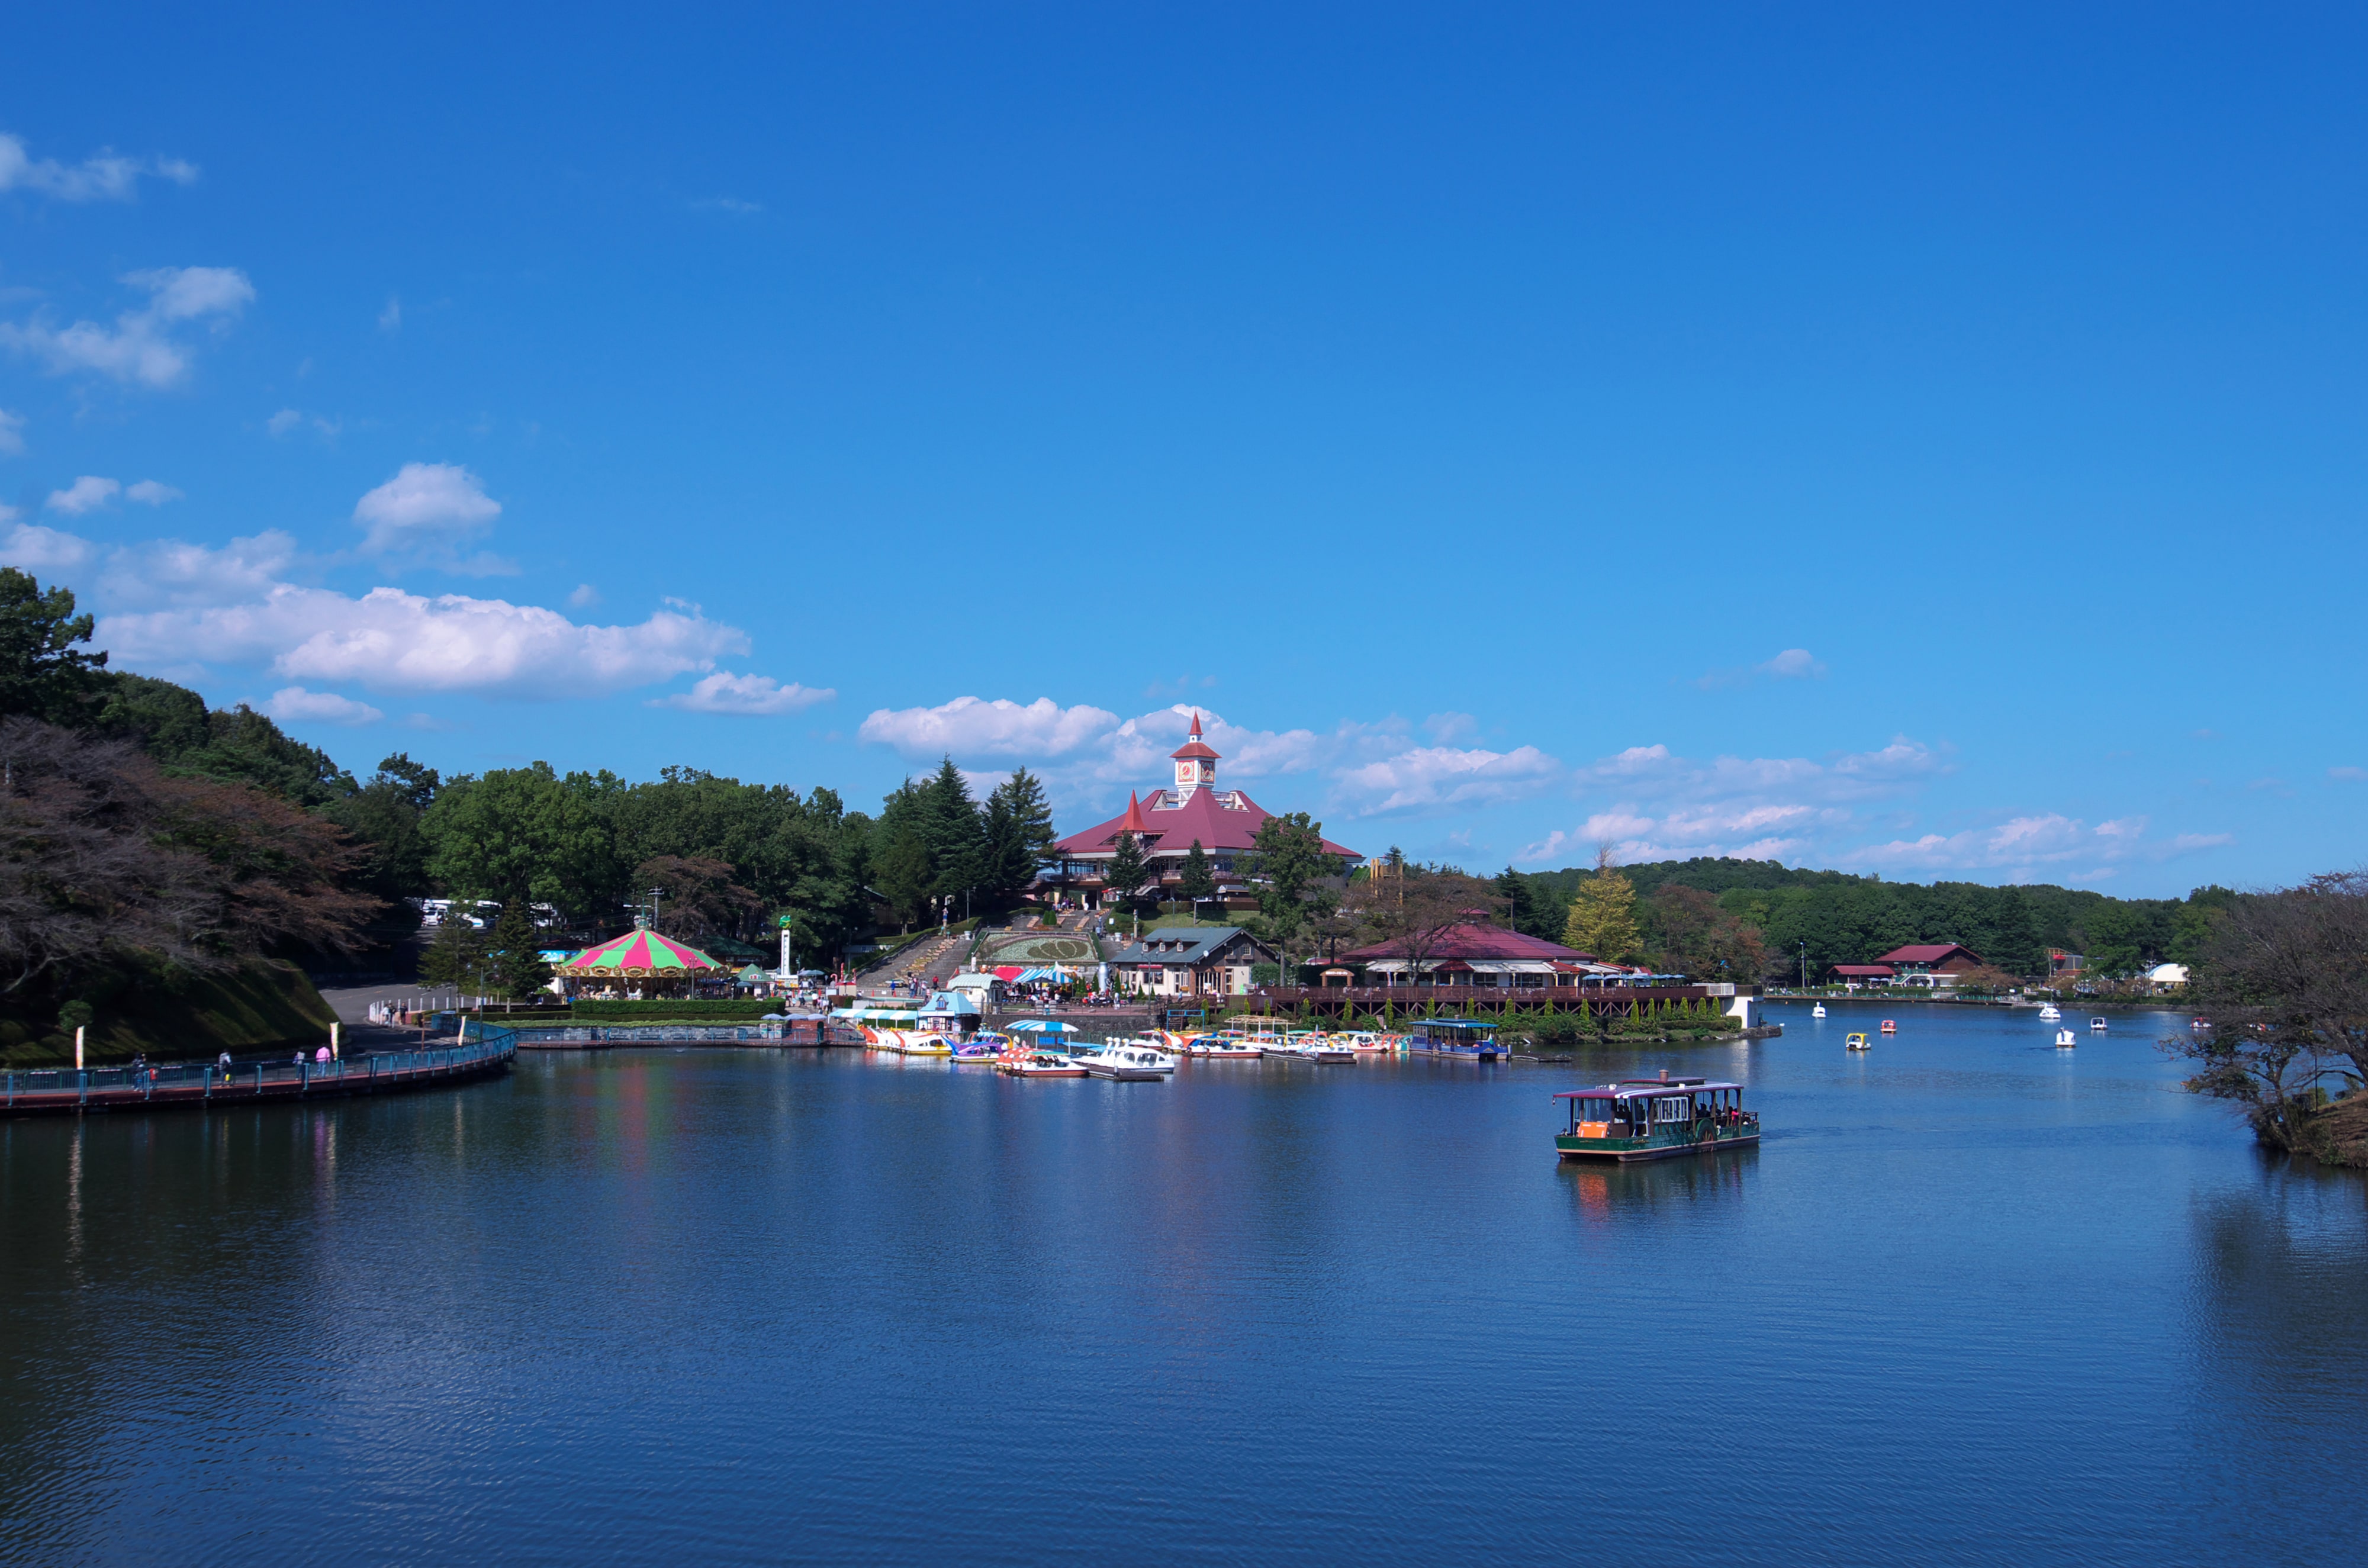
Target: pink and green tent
[(640, 954)]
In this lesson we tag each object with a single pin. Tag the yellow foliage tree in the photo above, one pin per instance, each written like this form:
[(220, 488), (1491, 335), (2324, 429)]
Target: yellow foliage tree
[(1603, 917)]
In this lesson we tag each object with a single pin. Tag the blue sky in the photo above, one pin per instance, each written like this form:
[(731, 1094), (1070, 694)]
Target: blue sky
[(1892, 438)]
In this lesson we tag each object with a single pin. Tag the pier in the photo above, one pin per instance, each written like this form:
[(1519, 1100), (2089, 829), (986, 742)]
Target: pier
[(67, 1091)]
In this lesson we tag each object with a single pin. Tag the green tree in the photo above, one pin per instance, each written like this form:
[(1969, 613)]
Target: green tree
[(1127, 869), (456, 956), (903, 873), (1289, 860), (1603, 920), (1194, 880), (515, 969), (950, 825), (524, 833), (43, 674), (1015, 833)]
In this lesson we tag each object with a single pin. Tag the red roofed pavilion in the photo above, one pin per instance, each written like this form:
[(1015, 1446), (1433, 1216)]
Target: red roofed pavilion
[(1165, 822)]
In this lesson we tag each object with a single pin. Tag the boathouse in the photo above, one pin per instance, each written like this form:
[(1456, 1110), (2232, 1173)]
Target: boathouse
[(1930, 963), (1168, 822), (1478, 951), (1190, 960)]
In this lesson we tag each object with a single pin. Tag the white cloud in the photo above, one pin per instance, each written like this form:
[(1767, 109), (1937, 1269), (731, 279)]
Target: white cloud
[(390, 640), (723, 692), (732, 205), (293, 704), (425, 512), (12, 434), (105, 175), (969, 727), (391, 318), (1430, 777), (1086, 753), (2023, 845), (30, 547), (140, 347), (167, 572), (87, 494), (1660, 805), (2349, 774), (286, 419), (1793, 663), (149, 493), (585, 596)]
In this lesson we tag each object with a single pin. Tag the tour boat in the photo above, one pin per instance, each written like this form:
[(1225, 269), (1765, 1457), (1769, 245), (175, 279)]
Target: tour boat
[(1218, 1045), (1818, 1011), (2066, 1040), (1855, 1042), (2096, 1026), (1652, 1119), (1469, 1038), (1890, 1027), (1041, 1065), (2050, 1012), (1127, 1061)]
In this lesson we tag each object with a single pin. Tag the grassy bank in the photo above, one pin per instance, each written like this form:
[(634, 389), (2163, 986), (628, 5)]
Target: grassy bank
[(172, 1015)]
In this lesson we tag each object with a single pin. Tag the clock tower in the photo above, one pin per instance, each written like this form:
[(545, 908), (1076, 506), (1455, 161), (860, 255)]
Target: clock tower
[(1196, 764)]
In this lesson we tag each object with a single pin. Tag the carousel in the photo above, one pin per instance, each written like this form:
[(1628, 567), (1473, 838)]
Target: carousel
[(639, 965)]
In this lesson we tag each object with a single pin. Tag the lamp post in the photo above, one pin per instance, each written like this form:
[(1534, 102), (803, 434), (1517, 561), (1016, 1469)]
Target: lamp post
[(1804, 963)]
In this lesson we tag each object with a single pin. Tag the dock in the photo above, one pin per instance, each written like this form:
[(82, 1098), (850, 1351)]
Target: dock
[(67, 1091)]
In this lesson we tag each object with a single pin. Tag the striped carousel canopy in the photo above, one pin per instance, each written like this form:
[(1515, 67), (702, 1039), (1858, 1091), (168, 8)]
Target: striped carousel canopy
[(639, 954)]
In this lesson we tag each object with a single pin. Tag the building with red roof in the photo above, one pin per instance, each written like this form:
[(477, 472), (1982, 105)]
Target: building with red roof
[(1167, 823), (1478, 951)]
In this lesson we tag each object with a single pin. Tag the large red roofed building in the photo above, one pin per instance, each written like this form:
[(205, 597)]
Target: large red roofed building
[(1167, 822)]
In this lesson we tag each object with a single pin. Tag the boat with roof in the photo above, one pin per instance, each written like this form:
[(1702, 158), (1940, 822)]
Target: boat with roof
[(1470, 1040), (1653, 1118)]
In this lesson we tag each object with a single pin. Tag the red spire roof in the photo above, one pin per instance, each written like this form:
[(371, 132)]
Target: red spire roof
[(1133, 821), (1194, 748)]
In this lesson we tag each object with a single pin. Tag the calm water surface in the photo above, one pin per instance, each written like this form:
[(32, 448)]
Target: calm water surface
[(1973, 1301)]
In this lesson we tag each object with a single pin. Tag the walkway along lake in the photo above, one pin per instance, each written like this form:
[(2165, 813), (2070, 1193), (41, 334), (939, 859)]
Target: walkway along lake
[(1973, 1301)]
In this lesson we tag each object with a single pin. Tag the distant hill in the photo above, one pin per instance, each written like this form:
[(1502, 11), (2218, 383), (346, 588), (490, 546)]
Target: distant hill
[(1847, 918)]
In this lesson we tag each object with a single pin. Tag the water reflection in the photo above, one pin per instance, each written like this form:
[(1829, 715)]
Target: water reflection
[(1603, 1192)]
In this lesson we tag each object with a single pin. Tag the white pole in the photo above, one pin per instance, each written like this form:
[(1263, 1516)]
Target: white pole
[(77, 1048), (333, 1055)]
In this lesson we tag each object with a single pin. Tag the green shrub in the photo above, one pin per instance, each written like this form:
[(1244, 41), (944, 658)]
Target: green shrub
[(726, 1009)]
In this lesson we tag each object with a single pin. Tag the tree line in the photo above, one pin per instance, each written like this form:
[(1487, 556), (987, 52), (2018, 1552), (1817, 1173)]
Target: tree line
[(1752, 918)]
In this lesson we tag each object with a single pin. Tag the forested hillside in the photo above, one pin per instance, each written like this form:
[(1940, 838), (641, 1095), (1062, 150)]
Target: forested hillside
[(1845, 918)]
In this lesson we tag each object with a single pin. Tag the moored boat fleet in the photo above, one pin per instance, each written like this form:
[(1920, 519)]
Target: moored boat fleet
[(1043, 1047)]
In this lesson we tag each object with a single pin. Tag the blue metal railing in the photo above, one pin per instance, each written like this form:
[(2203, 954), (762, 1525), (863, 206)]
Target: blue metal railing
[(181, 1080)]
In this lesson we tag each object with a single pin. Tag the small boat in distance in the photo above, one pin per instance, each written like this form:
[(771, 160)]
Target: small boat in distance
[(2066, 1040), (1856, 1042), (2050, 1012), (1890, 1027), (1818, 1011), (2096, 1026), (1220, 1046), (1652, 1119)]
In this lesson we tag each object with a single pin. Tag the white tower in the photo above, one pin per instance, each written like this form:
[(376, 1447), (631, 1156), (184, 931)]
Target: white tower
[(1196, 764)]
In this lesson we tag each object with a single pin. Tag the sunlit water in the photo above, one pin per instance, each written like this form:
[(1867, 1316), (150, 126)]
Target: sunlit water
[(1974, 1300)]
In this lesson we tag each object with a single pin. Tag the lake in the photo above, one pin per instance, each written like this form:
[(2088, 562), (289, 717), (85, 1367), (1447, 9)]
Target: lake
[(1972, 1301)]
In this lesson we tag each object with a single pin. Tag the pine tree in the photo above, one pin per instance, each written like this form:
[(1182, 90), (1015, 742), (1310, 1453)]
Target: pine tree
[(1128, 871), (1602, 918), (516, 959), (1194, 880)]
